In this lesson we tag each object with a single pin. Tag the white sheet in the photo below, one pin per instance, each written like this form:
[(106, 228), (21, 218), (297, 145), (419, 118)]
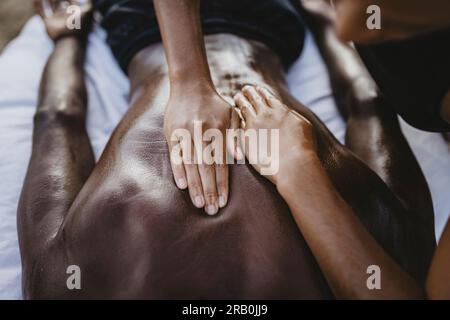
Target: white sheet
[(21, 67)]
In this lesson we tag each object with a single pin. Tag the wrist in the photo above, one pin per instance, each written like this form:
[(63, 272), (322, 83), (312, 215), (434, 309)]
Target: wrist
[(182, 79), (72, 41), (70, 52), (182, 85), (296, 171)]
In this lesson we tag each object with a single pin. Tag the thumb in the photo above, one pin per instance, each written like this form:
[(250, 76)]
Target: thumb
[(233, 141)]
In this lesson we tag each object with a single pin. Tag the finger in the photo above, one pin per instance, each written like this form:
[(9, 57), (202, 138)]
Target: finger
[(208, 179), (222, 180), (193, 177), (249, 151), (255, 98), (176, 162), (233, 145), (244, 106), (179, 175), (85, 5), (269, 97), (194, 185)]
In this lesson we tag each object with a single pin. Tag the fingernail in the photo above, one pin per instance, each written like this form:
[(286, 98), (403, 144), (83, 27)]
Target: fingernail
[(199, 202), (181, 183), (264, 90), (222, 201), (211, 209), (248, 105)]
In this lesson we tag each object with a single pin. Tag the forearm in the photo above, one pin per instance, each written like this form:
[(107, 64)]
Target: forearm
[(179, 21), (62, 85), (340, 243), (438, 280)]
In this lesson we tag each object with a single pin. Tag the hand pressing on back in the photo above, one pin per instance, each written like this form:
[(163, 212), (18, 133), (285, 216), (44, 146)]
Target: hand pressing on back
[(200, 108), (295, 147)]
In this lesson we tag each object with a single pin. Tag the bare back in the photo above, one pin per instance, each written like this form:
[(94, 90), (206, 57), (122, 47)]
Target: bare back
[(135, 235)]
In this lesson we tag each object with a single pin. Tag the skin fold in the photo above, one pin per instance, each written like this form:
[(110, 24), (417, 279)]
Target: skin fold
[(134, 234)]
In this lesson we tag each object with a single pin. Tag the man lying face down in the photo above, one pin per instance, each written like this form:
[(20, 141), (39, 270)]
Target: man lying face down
[(309, 231)]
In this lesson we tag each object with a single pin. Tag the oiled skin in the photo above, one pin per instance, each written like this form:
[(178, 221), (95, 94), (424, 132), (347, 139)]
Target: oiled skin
[(135, 235)]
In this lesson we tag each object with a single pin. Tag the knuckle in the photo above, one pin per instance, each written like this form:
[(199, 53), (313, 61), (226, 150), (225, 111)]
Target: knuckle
[(221, 167), (177, 170), (247, 88), (195, 186), (222, 185), (210, 193), (207, 169)]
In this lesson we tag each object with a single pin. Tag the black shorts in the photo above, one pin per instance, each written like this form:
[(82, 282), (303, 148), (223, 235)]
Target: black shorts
[(131, 25)]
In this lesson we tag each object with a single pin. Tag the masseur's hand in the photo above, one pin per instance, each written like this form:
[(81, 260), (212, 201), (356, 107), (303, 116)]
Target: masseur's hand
[(296, 151), (60, 20), (192, 110)]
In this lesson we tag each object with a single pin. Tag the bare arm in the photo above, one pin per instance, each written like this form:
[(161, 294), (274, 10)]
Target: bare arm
[(438, 281), (193, 99), (180, 25), (342, 246)]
